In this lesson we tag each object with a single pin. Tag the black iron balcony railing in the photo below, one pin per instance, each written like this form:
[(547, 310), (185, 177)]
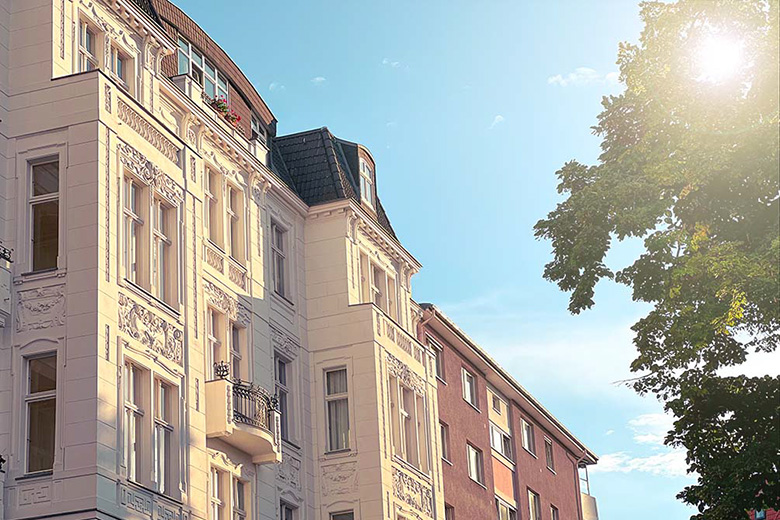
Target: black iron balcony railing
[(252, 404)]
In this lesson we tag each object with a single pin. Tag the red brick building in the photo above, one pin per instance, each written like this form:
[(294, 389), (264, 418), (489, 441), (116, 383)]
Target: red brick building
[(503, 454)]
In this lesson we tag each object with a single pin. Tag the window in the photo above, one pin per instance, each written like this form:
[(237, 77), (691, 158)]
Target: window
[(41, 404), (505, 511), (134, 202), (366, 183), (192, 62), (337, 404), (438, 354), (378, 287), (497, 404), (164, 263), (529, 440), (119, 65), (214, 324), (45, 214), (235, 222), (346, 515), (258, 132), (444, 432), (134, 414), (164, 400), (554, 515), (449, 512), (213, 211), (87, 52), (474, 459), (217, 498), (237, 353), (408, 424), (240, 499), (548, 454), (283, 394), (469, 388), (500, 441), (534, 506), (287, 512), (279, 261)]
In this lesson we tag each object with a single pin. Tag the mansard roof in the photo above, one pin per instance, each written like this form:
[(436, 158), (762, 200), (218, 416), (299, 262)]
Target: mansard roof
[(147, 7), (319, 169)]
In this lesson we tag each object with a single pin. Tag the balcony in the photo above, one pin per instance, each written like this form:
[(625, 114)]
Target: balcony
[(245, 416)]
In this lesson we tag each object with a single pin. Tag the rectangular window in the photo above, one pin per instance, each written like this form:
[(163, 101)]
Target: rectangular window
[(505, 511), (444, 432), (283, 394), (366, 183), (438, 353), (279, 260), (164, 253), (258, 132), (191, 61), (345, 515), (237, 353), (501, 441), (534, 506), (235, 221), (214, 324), (497, 404), (87, 53), (408, 424), (134, 414), (217, 495), (45, 214), (548, 454), (469, 388), (337, 409), (119, 65), (239, 499), (213, 211), (378, 281), (554, 515), (529, 439), (164, 416), (449, 512), (475, 463), (41, 404), (286, 511), (134, 213)]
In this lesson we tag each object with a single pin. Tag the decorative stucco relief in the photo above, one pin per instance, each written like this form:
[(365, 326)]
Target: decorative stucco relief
[(283, 343), (150, 330), (34, 494), (225, 303), (237, 275), (290, 472), (406, 375), (214, 258), (138, 123), (412, 492), (149, 173), (40, 308), (339, 479)]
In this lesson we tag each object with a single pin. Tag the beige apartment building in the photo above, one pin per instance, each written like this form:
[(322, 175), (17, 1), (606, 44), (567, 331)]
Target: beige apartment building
[(200, 319)]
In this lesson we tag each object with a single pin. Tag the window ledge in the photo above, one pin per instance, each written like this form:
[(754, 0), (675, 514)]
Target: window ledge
[(480, 484), (411, 467), (446, 460), (530, 452), (133, 483), (552, 470), (44, 274), (282, 299), (472, 405), (37, 474), (151, 299), (441, 380), (337, 453)]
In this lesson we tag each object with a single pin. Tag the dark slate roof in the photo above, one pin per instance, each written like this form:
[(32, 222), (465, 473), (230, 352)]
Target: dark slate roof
[(147, 7), (318, 169)]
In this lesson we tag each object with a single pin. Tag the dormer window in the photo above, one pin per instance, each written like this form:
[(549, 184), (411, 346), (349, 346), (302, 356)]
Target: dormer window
[(258, 132), (191, 61), (366, 183)]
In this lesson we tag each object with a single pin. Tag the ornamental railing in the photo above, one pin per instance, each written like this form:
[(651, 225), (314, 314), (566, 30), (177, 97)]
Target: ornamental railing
[(252, 404)]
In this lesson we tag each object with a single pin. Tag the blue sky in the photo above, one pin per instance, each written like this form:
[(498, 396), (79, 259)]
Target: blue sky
[(469, 109)]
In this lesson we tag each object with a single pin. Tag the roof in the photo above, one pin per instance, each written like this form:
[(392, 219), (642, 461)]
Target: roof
[(588, 456), (147, 7), (319, 171)]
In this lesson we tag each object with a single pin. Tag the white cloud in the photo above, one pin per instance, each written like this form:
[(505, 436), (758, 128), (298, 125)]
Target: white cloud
[(276, 86), (391, 124), (651, 428), (496, 121), (668, 464), (319, 80), (609, 432), (389, 63), (584, 76)]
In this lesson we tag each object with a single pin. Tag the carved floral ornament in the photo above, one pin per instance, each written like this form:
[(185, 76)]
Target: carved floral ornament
[(40, 308), (146, 130), (150, 330), (283, 343), (412, 492), (149, 173), (406, 375), (226, 304)]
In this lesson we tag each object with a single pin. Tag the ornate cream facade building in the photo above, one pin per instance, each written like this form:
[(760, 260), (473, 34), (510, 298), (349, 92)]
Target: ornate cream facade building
[(201, 319)]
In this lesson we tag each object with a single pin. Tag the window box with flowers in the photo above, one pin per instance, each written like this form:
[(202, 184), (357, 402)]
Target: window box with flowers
[(220, 104)]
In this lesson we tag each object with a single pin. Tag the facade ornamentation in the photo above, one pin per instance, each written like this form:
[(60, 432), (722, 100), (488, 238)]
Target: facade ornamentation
[(237, 275), (150, 173), (40, 308), (284, 344), (214, 258), (108, 194), (412, 492), (401, 370), (192, 167), (244, 314), (145, 129), (339, 479), (108, 98), (34, 494), (152, 331), (62, 29), (136, 501), (221, 300), (290, 472)]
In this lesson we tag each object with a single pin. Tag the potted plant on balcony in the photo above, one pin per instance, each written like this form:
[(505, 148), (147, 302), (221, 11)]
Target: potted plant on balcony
[(220, 104)]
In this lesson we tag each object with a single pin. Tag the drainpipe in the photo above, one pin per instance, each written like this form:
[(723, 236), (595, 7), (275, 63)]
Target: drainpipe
[(577, 482)]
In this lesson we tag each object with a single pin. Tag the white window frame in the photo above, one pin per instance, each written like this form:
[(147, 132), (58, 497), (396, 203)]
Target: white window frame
[(217, 500), (282, 378), (555, 514), (528, 437), (165, 401), (236, 336), (187, 50), (444, 433), (235, 223), (534, 506), (120, 65), (505, 510), (341, 396), (501, 441), (134, 196), (284, 508), (133, 421), (240, 501), (549, 454), (215, 324), (213, 211), (279, 267), (87, 56), (438, 357), (38, 397), (470, 397), (477, 474), (36, 200), (163, 250), (367, 191)]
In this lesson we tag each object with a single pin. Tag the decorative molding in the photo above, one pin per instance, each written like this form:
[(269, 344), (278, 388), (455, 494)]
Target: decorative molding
[(193, 166), (197, 394), (290, 472), (214, 258), (34, 494), (138, 123), (150, 330), (399, 337), (108, 194), (149, 173), (40, 308), (108, 343), (237, 275), (244, 315), (108, 98), (284, 344), (195, 269), (412, 492), (62, 29), (135, 500), (401, 370), (221, 300), (340, 479)]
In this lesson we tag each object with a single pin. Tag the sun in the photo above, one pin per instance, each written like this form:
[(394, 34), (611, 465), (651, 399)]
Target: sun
[(719, 58)]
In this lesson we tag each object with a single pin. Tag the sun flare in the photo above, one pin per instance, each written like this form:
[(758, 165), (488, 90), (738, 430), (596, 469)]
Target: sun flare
[(719, 59)]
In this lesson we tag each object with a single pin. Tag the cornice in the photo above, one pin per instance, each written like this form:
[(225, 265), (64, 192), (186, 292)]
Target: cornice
[(141, 23)]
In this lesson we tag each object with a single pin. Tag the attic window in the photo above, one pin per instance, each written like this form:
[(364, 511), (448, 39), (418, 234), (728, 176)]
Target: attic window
[(366, 183), (191, 61)]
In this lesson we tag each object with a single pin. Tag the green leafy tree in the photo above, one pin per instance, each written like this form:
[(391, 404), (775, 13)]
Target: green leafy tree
[(690, 164)]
